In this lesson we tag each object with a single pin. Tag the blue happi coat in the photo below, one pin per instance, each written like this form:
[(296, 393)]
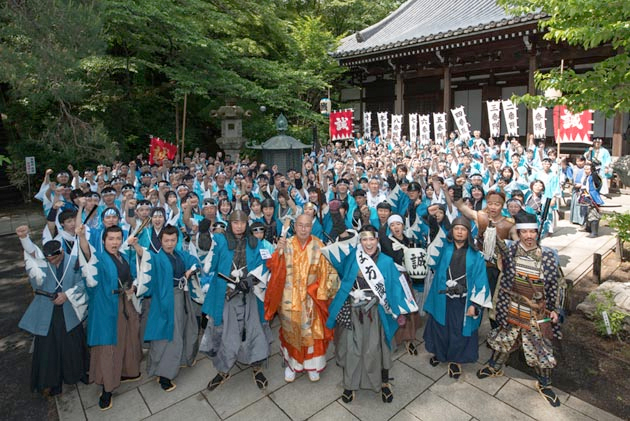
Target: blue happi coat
[(101, 278), (476, 283), (158, 284), (38, 315), (342, 255), (221, 262)]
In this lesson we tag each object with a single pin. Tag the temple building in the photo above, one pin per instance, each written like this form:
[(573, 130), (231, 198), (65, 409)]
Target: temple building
[(435, 55)]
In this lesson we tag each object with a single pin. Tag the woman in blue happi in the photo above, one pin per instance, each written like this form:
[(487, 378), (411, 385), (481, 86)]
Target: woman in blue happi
[(457, 295), (365, 311), (113, 319), (236, 329), (59, 351), (172, 325)]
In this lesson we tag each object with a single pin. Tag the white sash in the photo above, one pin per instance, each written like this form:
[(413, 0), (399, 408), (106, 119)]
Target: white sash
[(373, 277)]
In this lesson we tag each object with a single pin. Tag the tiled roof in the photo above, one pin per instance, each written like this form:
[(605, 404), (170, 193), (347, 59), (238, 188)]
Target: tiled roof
[(419, 22)]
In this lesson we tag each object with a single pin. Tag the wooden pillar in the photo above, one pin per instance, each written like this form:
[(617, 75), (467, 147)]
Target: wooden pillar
[(399, 91), (531, 89), (446, 104), (619, 147)]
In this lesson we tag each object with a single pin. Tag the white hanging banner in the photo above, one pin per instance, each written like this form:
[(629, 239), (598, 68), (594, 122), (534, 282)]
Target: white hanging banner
[(425, 129), (494, 118), (413, 127), (511, 117), (459, 115), (540, 126), (439, 125), (382, 124), (396, 127), (367, 124)]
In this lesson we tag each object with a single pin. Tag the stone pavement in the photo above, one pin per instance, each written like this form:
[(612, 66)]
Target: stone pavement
[(421, 392)]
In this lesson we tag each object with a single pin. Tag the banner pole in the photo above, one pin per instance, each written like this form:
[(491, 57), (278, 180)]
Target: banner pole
[(184, 126)]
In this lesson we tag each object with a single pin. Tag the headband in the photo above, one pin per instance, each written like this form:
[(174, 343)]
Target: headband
[(367, 234)]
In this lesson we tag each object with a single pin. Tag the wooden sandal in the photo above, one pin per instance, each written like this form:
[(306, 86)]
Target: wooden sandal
[(218, 380), (386, 393), (454, 370), (347, 396), (260, 379)]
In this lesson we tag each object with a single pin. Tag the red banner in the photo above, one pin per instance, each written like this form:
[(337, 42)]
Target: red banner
[(572, 128), (341, 123), (160, 150)]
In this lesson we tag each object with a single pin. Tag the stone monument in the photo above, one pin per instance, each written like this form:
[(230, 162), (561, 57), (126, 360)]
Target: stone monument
[(231, 140)]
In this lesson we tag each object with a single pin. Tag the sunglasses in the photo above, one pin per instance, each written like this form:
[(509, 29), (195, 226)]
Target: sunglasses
[(54, 253), (258, 229)]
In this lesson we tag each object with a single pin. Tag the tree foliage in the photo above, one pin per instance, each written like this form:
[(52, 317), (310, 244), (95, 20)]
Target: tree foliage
[(85, 81), (587, 24)]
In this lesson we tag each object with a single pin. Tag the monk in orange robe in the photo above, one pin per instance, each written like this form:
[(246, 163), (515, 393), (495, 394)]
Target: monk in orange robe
[(300, 288)]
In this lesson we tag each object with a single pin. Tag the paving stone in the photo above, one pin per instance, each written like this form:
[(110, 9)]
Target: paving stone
[(529, 401), (529, 381), (474, 401), (194, 408), (407, 385), (404, 415), (92, 392), (69, 405), (240, 390), (431, 407), (263, 410), (490, 385), (334, 411), (295, 398), (189, 381), (129, 407), (590, 410), (421, 364)]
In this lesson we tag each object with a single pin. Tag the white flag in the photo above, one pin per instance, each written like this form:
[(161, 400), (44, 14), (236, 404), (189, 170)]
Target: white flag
[(396, 127), (494, 118), (425, 129), (382, 124), (540, 126), (511, 117), (459, 115), (413, 127), (367, 124), (439, 125)]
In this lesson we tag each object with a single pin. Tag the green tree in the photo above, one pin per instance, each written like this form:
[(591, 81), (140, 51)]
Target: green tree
[(587, 24), (42, 46)]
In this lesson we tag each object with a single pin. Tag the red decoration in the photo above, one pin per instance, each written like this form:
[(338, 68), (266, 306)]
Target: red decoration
[(341, 123), (569, 127), (160, 150)]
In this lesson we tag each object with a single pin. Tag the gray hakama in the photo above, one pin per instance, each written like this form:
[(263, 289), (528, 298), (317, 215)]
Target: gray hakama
[(576, 212), (242, 337), (362, 351), (166, 357)]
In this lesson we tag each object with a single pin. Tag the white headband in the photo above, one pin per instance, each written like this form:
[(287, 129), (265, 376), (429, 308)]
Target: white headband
[(394, 218)]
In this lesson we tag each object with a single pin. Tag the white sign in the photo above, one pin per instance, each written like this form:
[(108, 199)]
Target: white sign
[(396, 127), (425, 129), (494, 118), (30, 165), (459, 115), (540, 127), (439, 125), (413, 127), (382, 124), (511, 117), (367, 124)]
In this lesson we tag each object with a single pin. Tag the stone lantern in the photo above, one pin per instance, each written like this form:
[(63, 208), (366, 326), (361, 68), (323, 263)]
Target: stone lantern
[(282, 150), (231, 140)]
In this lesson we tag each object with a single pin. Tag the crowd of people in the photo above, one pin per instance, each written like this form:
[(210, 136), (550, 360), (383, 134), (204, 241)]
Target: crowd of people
[(360, 246)]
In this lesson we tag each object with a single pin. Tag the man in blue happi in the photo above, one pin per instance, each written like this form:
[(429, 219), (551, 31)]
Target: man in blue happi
[(172, 325), (54, 317), (457, 295), (113, 319), (365, 311), (236, 329)]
